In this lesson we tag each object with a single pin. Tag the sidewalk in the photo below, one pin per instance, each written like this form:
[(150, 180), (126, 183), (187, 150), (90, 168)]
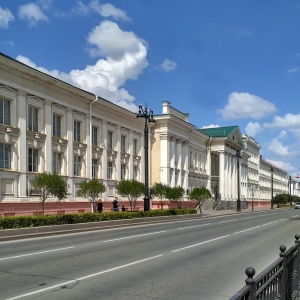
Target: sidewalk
[(21, 233)]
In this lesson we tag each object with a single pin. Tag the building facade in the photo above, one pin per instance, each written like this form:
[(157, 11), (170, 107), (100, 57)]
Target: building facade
[(50, 126), (47, 125)]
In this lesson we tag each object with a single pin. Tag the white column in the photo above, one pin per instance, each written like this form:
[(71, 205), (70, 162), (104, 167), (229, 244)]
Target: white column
[(130, 143), (221, 175), (88, 153), (185, 165), (229, 177), (104, 154), (164, 159), (48, 132), (70, 154), (118, 159), (208, 168), (22, 145), (179, 157)]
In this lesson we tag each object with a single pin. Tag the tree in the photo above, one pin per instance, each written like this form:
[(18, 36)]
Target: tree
[(91, 189), (159, 190), (131, 189), (175, 194), (50, 185), (200, 195)]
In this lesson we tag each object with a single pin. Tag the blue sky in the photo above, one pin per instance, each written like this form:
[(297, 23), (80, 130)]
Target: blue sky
[(223, 62)]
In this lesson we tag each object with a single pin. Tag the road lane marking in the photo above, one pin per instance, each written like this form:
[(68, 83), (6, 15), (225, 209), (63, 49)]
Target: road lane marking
[(194, 226), (132, 236), (83, 278), (35, 253), (248, 229), (198, 244)]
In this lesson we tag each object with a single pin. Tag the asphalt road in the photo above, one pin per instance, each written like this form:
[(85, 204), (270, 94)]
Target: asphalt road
[(189, 259)]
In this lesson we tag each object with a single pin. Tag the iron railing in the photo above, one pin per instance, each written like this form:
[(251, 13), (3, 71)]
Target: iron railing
[(278, 281)]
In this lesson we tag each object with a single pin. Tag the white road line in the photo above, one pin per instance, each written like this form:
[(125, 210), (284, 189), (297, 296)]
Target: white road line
[(83, 278), (198, 244), (132, 236), (194, 226), (247, 229), (35, 253)]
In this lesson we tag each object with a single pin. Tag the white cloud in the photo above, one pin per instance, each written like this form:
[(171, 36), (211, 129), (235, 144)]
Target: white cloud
[(108, 10), (293, 71), (245, 105), (282, 165), (168, 65), (31, 13), (5, 17), (278, 148), (253, 128), (125, 58), (288, 121), (211, 126)]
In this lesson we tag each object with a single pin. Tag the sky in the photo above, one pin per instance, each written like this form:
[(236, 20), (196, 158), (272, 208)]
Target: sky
[(224, 62)]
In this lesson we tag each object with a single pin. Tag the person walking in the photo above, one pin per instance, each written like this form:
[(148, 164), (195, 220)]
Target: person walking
[(100, 206), (115, 204)]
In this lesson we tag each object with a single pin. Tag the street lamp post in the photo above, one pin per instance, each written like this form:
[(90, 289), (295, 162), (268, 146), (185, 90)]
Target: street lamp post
[(238, 201), (272, 171), (147, 114)]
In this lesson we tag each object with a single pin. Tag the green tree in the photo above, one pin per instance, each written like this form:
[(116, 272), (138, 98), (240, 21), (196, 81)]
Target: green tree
[(50, 185), (159, 190), (132, 189), (90, 189), (175, 194), (200, 195)]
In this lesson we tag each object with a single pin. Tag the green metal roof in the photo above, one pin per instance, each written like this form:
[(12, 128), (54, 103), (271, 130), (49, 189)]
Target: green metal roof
[(218, 131)]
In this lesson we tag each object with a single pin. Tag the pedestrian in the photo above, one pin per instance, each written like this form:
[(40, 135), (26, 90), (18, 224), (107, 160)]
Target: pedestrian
[(100, 206), (115, 204), (123, 207)]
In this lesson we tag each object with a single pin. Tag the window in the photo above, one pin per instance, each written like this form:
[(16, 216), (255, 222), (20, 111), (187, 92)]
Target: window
[(56, 125), (77, 131), (33, 119), (110, 140), (56, 162), (109, 169), (77, 165), (123, 171), (123, 143), (94, 168), (33, 160), (4, 111), (135, 147), (94, 136), (5, 156)]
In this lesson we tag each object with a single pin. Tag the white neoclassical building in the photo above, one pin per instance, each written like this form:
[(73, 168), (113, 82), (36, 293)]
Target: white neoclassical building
[(49, 125)]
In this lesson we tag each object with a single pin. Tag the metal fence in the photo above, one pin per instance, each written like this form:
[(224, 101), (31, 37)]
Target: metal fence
[(278, 281)]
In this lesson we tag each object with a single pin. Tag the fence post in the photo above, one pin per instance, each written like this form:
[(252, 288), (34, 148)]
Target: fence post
[(297, 242), (283, 278), (250, 272)]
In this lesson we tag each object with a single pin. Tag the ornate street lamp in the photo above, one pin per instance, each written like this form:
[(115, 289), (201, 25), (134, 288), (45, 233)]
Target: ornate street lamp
[(238, 201), (147, 114), (272, 171)]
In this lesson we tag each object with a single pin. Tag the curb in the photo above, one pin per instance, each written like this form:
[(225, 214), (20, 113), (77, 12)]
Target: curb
[(34, 232)]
